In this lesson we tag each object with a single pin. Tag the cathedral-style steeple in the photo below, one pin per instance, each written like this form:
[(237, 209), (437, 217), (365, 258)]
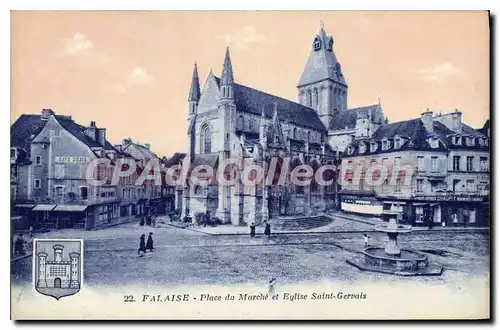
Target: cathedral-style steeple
[(194, 91), (227, 79), (322, 85)]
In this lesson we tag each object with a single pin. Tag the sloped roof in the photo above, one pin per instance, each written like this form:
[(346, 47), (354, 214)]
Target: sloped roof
[(416, 136), (322, 64), (347, 118), (28, 126), (253, 101), (24, 129), (175, 159), (205, 159)]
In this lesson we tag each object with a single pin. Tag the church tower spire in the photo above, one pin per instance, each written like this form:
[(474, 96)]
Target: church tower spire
[(322, 85), (227, 79), (194, 91)]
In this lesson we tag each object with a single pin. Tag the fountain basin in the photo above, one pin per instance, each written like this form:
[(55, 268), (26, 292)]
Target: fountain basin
[(407, 259)]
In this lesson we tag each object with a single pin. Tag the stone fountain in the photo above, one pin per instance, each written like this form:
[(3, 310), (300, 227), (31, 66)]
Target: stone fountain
[(391, 259)]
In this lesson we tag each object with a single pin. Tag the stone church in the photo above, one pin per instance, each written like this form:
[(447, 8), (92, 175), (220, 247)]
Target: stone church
[(230, 120)]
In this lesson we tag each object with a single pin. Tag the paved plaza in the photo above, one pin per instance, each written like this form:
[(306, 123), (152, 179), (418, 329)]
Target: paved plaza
[(184, 256)]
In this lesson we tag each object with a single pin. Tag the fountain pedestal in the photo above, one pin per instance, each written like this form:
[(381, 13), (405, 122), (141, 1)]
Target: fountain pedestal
[(391, 259)]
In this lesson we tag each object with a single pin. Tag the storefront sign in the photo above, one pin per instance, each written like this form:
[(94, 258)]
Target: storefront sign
[(72, 159), (451, 198)]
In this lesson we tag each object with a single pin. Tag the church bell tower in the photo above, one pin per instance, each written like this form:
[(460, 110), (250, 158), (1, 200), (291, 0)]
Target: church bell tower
[(322, 85)]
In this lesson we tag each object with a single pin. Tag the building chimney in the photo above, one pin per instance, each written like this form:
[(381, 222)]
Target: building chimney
[(91, 131), (457, 121), (101, 132), (426, 118), (46, 113)]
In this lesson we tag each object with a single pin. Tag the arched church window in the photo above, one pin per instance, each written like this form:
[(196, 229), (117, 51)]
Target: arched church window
[(206, 139), (309, 98), (252, 124), (309, 136), (330, 44), (315, 99), (294, 134), (240, 123), (317, 44)]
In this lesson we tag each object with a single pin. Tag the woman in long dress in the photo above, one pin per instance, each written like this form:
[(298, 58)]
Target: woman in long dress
[(149, 243), (252, 230), (267, 230), (142, 245)]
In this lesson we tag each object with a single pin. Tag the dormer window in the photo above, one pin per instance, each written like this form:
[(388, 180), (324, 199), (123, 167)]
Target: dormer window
[(386, 144), (362, 148), (350, 150), (485, 140), (317, 44), (470, 141), (373, 146), (434, 143), (398, 142), (457, 140)]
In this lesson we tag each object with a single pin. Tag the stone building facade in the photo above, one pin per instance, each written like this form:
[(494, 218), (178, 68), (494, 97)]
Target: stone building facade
[(50, 155), (227, 119), (448, 162)]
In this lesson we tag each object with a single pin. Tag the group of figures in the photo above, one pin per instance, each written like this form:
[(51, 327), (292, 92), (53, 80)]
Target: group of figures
[(145, 245), (267, 229)]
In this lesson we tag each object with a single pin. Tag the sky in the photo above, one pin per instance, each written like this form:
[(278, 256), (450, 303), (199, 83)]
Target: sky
[(131, 71)]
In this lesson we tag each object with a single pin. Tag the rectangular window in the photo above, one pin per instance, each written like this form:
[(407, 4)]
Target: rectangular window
[(470, 163), (419, 214), (59, 171), (12, 153), (456, 163), (84, 192), (397, 187), (59, 191), (483, 164), (470, 185), (420, 163), (37, 184), (38, 160), (420, 185), (434, 164)]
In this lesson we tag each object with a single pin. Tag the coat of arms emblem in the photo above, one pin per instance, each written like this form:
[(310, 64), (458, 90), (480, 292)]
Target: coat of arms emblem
[(58, 266)]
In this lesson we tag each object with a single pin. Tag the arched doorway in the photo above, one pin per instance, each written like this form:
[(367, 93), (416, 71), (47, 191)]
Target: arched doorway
[(57, 282)]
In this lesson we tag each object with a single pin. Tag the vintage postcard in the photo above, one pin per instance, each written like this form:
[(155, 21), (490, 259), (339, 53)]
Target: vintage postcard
[(276, 165)]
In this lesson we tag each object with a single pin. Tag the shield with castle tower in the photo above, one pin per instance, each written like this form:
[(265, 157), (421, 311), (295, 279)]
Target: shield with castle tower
[(58, 266)]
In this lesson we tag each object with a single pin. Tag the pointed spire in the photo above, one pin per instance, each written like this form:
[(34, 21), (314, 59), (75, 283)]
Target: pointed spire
[(275, 115), (194, 91), (227, 70)]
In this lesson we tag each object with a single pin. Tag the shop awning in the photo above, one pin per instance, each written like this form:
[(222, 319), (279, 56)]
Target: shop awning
[(44, 207), (70, 208), (25, 206)]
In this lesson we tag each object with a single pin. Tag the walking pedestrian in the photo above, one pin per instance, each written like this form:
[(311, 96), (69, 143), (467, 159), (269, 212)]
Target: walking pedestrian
[(149, 243), (252, 230), (267, 230), (272, 286), (19, 245), (367, 238), (142, 246)]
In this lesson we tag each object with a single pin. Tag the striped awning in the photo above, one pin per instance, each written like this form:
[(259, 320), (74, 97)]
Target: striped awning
[(70, 208), (25, 206), (44, 207)]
